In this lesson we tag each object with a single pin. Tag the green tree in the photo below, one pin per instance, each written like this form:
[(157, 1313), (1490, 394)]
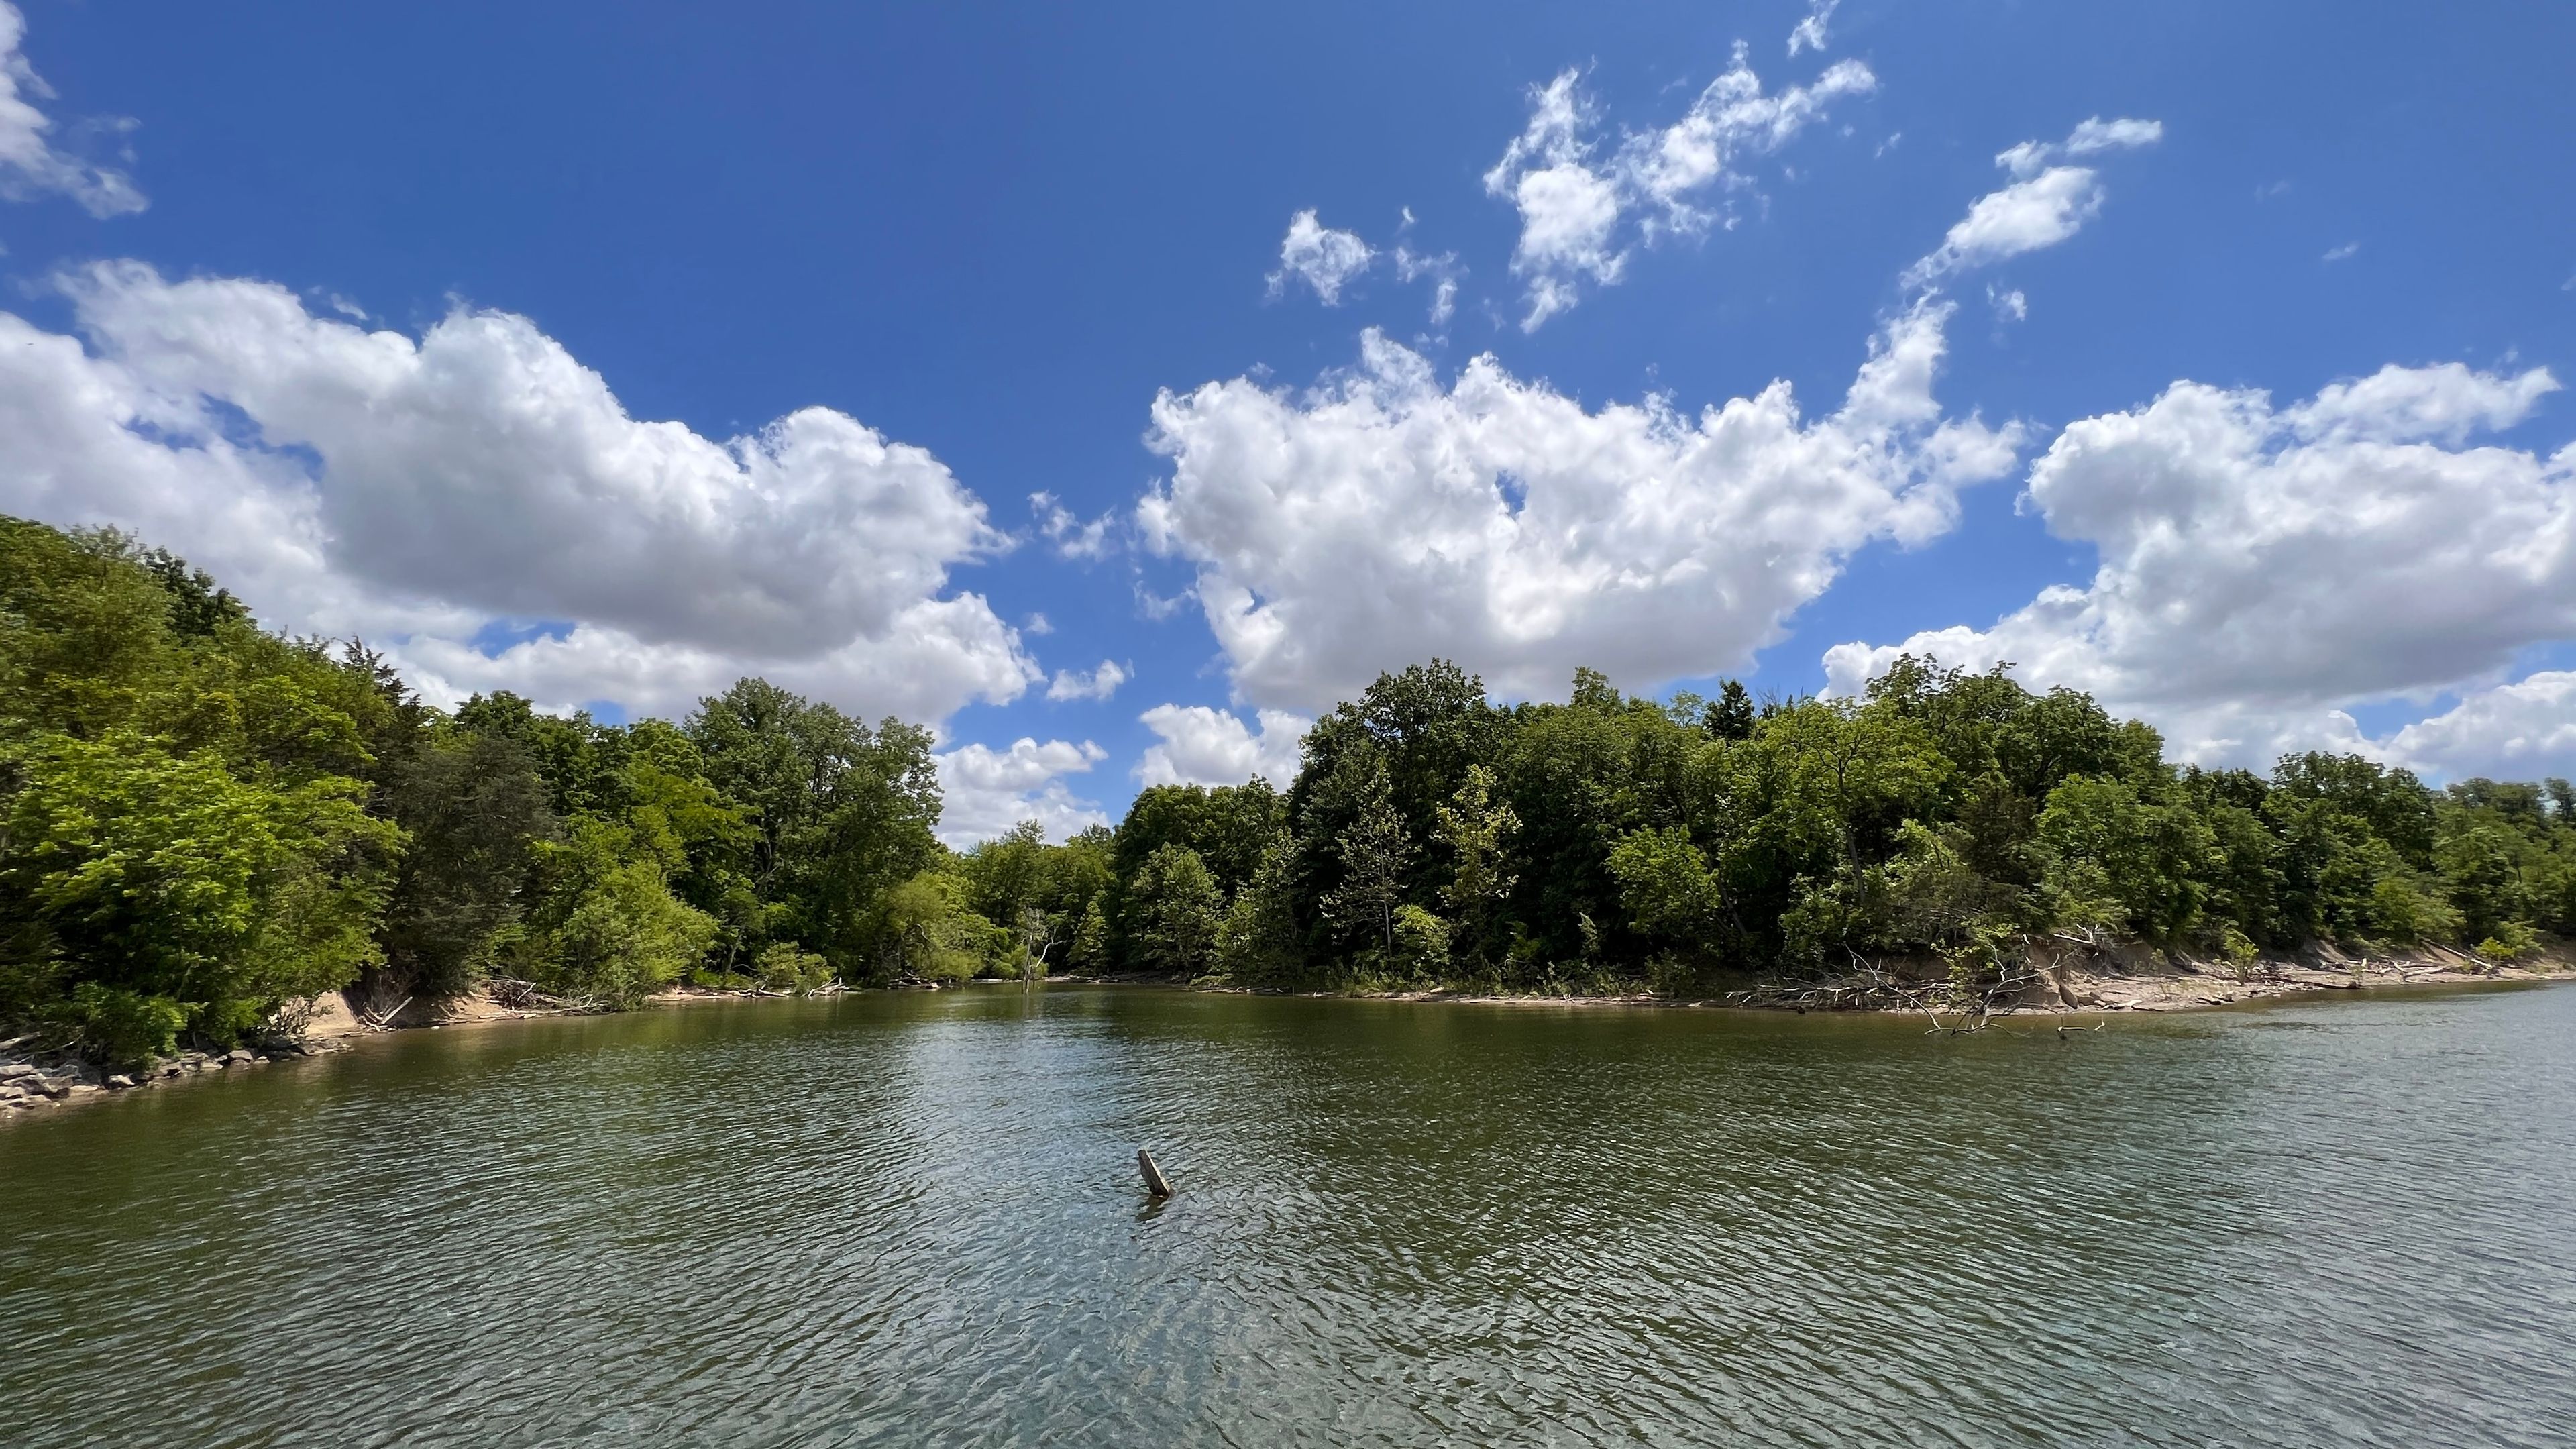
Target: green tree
[(165, 876), (1730, 715), (474, 810), (610, 929), (1090, 946), (1259, 942), (2117, 861), (2481, 872), (1174, 909), (1672, 896), (1476, 829), (926, 932), (1374, 853)]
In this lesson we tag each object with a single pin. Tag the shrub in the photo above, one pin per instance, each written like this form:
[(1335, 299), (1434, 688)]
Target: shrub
[(117, 1027), (786, 966), (1421, 945), (2511, 942)]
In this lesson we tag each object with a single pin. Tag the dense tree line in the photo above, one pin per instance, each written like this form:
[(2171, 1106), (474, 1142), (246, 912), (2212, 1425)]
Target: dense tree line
[(203, 824), (1952, 819)]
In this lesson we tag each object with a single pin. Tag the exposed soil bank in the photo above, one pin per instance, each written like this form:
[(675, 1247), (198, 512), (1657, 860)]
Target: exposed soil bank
[(2078, 980)]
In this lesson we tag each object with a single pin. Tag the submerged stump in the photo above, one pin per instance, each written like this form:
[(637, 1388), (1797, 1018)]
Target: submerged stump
[(1154, 1183)]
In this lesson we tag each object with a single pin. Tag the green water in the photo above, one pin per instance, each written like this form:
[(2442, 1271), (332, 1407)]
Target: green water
[(914, 1219)]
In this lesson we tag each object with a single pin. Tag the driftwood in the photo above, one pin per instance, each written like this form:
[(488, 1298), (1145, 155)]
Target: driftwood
[(1155, 1186), (525, 999), (1870, 986)]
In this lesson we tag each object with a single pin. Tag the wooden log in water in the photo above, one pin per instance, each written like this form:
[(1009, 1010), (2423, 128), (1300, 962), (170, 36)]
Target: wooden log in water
[(1154, 1182)]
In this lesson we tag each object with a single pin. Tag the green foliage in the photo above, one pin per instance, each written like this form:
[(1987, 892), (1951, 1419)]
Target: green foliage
[(2481, 869), (1044, 894), (166, 874), (1173, 912), (2512, 941), (1946, 815), (1228, 827), (1476, 830), (1730, 715), (610, 930), (199, 816), (925, 932), (785, 966), (2123, 863), (118, 1027), (834, 814), (1259, 943), (203, 824), (475, 810), (1090, 949), (1672, 896), (1419, 945)]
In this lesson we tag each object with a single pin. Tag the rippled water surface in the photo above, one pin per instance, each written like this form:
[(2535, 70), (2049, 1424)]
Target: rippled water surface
[(914, 1219)]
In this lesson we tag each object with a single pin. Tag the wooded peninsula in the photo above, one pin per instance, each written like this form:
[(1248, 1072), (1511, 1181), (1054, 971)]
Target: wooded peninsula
[(204, 825)]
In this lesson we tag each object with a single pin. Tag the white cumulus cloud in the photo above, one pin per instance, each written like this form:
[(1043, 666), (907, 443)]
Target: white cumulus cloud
[(30, 164), (426, 490), (1582, 211), (1322, 258), (2520, 731), (1203, 746), (1384, 518), (1100, 683), (2265, 568), (985, 792)]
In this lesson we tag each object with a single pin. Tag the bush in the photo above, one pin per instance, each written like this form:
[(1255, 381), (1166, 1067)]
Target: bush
[(926, 933), (786, 966), (611, 933), (1421, 945), (2512, 941), (119, 1028)]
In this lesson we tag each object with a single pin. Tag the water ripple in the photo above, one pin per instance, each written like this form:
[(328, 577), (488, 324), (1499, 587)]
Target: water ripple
[(913, 1220)]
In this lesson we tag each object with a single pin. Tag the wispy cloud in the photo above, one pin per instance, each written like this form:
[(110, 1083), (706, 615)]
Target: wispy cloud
[(1809, 33), (2047, 202), (1071, 535), (30, 163), (1583, 211), (1324, 259)]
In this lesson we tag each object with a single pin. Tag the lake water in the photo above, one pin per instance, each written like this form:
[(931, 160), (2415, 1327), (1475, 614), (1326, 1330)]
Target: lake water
[(915, 1219)]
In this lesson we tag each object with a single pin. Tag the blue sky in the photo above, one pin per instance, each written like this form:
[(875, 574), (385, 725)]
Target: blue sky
[(990, 238)]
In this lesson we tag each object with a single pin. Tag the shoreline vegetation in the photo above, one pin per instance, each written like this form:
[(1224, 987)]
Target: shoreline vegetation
[(210, 832)]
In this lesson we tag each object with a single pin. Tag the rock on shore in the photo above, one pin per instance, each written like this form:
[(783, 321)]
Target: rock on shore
[(34, 1076)]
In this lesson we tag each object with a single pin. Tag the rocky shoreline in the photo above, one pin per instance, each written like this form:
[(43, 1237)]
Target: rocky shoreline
[(31, 1079)]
